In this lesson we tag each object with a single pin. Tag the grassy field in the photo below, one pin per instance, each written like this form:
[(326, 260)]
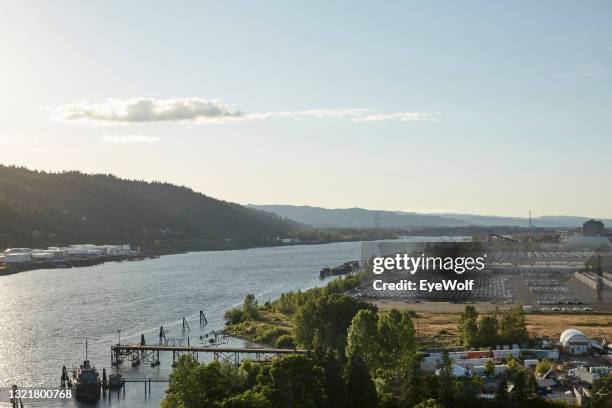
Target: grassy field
[(440, 329)]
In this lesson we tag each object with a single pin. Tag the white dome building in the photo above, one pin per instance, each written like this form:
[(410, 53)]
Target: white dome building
[(574, 341)]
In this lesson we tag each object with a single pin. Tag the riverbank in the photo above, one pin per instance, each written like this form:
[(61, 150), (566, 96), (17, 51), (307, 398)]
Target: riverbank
[(161, 251), (265, 331), (274, 323), (67, 264)]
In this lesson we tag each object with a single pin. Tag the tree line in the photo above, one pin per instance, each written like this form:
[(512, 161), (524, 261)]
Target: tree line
[(497, 328)]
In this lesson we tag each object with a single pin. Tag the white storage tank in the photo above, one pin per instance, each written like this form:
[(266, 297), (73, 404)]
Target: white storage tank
[(42, 255), (18, 257), (17, 251)]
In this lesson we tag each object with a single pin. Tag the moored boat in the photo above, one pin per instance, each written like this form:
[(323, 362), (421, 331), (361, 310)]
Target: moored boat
[(86, 381), (115, 381)]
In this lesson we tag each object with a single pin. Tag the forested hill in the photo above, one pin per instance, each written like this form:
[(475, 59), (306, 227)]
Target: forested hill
[(38, 208)]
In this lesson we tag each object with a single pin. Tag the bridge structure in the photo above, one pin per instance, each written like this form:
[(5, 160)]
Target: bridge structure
[(150, 353)]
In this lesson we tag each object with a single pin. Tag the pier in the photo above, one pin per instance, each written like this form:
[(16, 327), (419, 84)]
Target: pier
[(136, 353)]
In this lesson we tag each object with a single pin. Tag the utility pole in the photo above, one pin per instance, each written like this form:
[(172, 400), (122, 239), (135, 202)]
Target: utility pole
[(530, 225)]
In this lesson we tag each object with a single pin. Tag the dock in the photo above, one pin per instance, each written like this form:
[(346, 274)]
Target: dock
[(150, 353)]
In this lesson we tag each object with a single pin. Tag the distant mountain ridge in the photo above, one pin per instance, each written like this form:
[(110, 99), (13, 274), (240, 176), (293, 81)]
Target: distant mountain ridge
[(38, 208), (362, 218)]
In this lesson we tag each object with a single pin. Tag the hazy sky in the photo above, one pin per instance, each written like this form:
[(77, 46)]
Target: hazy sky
[(428, 106)]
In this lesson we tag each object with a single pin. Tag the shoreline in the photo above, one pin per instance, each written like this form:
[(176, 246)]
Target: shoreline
[(7, 270)]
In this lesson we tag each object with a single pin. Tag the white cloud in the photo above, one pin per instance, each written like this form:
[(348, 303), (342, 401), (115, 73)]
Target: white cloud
[(330, 113), (400, 116), (197, 110), (361, 115), (11, 139), (143, 110), (125, 139)]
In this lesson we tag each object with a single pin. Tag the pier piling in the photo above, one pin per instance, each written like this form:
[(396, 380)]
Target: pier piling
[(162, 335), (64, 379)]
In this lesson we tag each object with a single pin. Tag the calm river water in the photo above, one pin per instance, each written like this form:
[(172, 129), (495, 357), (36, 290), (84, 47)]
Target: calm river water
[(46, 315)]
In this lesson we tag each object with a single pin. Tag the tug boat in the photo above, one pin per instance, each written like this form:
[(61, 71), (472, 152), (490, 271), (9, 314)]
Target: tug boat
[(86, 381)]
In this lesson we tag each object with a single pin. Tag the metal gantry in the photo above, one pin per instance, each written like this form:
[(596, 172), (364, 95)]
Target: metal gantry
[(137, 353)]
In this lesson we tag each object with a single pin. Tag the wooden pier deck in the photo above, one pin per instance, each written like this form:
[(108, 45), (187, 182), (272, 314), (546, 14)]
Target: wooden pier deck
[(205, 349), (150, 352)]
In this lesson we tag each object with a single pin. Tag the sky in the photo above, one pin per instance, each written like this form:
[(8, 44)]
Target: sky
[(431, 106)]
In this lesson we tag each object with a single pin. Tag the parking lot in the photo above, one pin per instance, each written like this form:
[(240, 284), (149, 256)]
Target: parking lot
[(488, 286), (547, 291), (570, 258), (545, 288)]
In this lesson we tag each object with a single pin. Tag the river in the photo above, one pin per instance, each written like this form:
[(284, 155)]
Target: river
[(46, 315)]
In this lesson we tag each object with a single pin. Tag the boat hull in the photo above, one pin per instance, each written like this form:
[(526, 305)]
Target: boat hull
[(87, 392)]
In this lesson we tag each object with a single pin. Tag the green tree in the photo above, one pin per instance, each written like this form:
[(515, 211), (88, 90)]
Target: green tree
[(513, 365), (602, 392), (446, 380), (397, 336), (468, 327), (532, 385), (323, 320), (194, 385), (521, 390), (398, 350), (307, 323), (489, 368), (335, 386), (249, 307), (234, 316), (359, 385), (502, 399), (295, 382), (363, 338), (285, 341), (429, 403), (249, 371), (467, 390), (543, 366), (248, 399), (429, 386), (513, 327), (487, 331)]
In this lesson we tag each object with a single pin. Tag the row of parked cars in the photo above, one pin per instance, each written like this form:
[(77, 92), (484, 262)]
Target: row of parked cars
[(560, 300), (566, 309)]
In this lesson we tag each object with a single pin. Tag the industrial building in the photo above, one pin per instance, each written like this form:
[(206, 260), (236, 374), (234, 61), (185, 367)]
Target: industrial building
[(576, 242), (574, 341), (74, 255), (592, 228)]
